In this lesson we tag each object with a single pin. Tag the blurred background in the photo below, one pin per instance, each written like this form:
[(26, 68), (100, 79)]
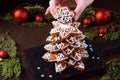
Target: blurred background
[(8, 5)]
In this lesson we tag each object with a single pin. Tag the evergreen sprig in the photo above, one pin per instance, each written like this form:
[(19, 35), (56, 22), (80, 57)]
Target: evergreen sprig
[(12, 65), (92, 32), (34, 24), (113, 70), (7, 17), (112, 33), (33, 11), (88, 12), (37, 10), (8, 44)]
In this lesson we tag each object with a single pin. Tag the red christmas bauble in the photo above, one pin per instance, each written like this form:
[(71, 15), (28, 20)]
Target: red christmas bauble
[(3, 54), (20, 15), (39, 18), (103, 30), (102, 16), (87, 21)]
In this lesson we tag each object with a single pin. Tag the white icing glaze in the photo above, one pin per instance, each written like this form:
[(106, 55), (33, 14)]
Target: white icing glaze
[(80, 65), (60, 45), (50, 38), (84, 54), (54, 31), (72, 39), (84, 45), (59, 67), (68, 51), (77, 44), (64, 15), (55, 23), (80, 37), (77, 56), (61, 57), (57, 39), (50, 57), (53, 39), (46, 56), (51, 48), (71, 62)]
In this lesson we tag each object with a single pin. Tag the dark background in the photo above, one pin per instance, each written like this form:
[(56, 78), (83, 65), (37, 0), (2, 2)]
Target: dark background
[(7, 5), (27, 37)]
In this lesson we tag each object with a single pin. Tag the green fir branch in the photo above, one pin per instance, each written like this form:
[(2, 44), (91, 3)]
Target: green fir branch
[(88, 12), (8, 44), (7, 17), (112, 33), (48, 17), (38, 10), (113, 70), (11, 66), (91, 33), (112, 25), (34, 24), (33, 11)]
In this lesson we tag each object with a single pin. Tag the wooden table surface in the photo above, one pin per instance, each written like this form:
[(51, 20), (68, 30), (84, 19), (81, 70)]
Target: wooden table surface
[(27, 37)]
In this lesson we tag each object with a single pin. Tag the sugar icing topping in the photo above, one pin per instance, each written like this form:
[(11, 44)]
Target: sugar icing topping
[(64, 15), (59, 67), (51, 48), (46, 56), (71, 62), (77, 56), (80, 65), (61, 57)]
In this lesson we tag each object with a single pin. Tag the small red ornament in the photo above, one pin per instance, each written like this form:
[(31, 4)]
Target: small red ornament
[(102, 16), (39, 18), (103, 30), (87, 21), (20, 15), (3, 54)]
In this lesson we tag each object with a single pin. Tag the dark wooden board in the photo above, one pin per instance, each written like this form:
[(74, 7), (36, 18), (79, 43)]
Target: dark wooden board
[(42, 70), (94, 65)]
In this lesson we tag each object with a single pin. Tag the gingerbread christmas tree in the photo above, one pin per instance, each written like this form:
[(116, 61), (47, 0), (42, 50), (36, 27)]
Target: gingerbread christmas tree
[(65, 43)]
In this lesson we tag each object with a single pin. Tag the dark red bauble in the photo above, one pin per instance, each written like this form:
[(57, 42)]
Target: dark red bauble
[(103, 30), (87, 21), (39, 18), (102, 16), (3, 54), (20, 15)]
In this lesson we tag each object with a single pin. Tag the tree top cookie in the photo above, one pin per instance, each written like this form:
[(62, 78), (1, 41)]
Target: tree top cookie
[(64, 15)]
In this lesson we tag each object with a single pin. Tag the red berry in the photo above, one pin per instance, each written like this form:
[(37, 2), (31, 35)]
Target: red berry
[(87, 21), (39, 18), (20, 15), (102, 16), (103, 30), (3, 54)]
